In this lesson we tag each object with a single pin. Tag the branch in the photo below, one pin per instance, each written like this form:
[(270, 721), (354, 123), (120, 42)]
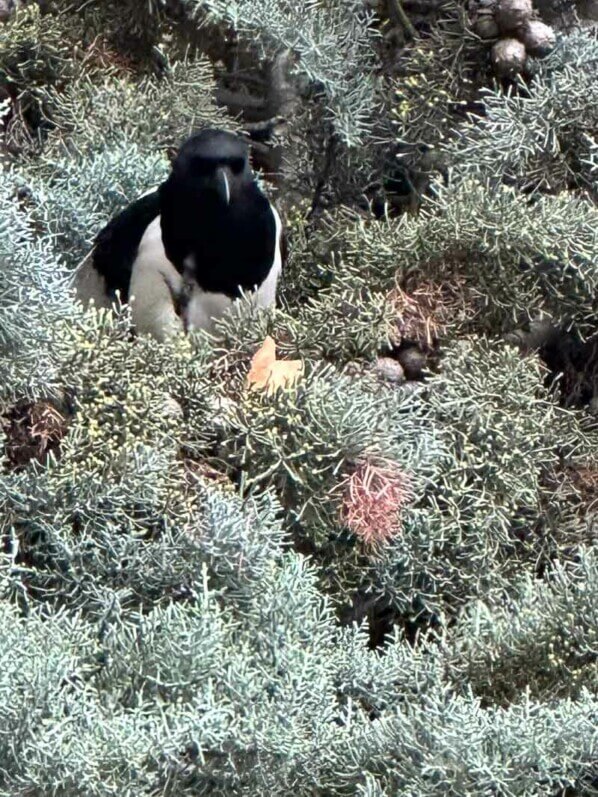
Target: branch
[(397, 13), (282, 94), (265, 128), (240, 100)]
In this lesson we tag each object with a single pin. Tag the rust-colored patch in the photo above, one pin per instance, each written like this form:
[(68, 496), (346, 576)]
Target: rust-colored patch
[(574, 485), (32, 432), (425, 312), (206, 472), (100, 53), (585, 482), (373, 497)]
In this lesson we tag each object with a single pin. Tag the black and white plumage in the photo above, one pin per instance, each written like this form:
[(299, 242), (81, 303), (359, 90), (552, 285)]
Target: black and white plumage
[(181, 254)]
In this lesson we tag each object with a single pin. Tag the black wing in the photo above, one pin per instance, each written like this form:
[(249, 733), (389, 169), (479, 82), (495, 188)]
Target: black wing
[(117, 244)]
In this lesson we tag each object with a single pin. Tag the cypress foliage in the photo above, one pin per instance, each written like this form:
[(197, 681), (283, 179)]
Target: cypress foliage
[(381, 580)]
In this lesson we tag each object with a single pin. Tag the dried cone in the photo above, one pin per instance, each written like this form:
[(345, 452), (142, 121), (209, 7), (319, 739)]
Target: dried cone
[(390, 370), (513, 14), (508, 57), (6, 10), (539, 39), (413, 361), (373, 497), (486, 27)]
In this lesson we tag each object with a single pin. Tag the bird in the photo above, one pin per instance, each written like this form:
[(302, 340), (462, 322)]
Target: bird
[(184, 252)]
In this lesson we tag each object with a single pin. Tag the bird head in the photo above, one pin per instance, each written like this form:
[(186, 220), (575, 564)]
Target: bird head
[(213, 163)]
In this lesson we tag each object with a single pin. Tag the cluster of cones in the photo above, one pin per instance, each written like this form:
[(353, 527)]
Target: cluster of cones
[(517, 31)]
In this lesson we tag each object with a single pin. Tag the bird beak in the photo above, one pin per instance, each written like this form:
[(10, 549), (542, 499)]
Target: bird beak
[(222, 184)]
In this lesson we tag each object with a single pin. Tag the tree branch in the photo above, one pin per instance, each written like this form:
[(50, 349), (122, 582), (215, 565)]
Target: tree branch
[(397, 14)]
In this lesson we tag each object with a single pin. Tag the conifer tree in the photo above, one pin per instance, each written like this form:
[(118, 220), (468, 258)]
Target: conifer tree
[(382, 578)]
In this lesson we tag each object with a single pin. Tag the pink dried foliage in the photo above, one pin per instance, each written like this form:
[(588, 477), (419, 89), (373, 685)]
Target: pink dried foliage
[(427, 310), (100, 53), (373, 497)]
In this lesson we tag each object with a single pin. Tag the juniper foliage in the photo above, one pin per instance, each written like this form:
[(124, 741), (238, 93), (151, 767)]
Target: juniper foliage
[(553, 124), (174, 571), (32, 287), (512, 259), (329, 41)]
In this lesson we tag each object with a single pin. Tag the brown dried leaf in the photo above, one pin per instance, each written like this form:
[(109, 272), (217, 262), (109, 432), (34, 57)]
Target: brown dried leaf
[(268, 373)]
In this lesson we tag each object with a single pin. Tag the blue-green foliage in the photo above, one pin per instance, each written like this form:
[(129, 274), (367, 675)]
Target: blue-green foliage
[(83, 193), (515, 257), (33, 295), (486, 509), (265, 696), (159, 634), (542, 138), (330, 40)]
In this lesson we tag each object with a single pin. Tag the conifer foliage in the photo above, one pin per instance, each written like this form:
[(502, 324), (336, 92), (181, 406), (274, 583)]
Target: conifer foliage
[(346, 546)]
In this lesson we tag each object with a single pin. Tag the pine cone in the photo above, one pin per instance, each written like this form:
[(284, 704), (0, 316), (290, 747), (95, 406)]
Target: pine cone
[(513, 14), (508, 57), (539, 39), (413, 361), (7, 8), (485, 25), (389, 369)]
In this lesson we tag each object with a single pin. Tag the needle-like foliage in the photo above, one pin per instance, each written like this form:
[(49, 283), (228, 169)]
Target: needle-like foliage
[(182, 555)]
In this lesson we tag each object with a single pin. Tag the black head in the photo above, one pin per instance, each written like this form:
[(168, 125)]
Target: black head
[(213, 163)]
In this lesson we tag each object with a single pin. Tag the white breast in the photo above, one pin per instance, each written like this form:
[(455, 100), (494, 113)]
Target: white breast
[(203, 309), (154, 284)]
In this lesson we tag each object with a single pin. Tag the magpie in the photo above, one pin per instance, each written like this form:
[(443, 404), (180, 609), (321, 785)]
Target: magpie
[(181, 254)]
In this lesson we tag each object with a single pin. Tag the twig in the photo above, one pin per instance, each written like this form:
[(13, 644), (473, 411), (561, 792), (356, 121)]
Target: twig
[(323, 178), (240, 100), (399, 17), (265, 127)]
